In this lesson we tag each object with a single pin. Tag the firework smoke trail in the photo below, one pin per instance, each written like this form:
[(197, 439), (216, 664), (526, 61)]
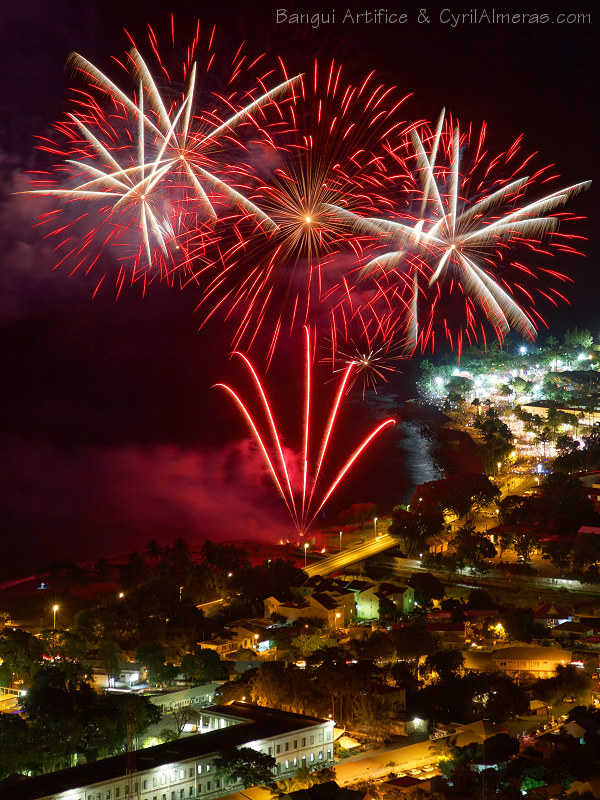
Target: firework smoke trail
[(148, 164), (320, 160), (306, 501), (460, 241)]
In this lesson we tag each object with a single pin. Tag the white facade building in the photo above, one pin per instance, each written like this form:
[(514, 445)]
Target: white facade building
[(184, 768)]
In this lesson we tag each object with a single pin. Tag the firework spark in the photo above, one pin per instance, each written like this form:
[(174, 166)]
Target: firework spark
[(467, 223), (306, 500), (370, 365), (320, 161), (147, 164)]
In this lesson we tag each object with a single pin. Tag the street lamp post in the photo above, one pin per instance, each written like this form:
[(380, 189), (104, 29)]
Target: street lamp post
[(337, 616), (340, 541), (499, 467), (54, 610), (305, 549), (375, 525)]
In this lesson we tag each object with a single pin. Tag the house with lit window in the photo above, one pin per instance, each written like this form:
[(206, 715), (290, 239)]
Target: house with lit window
[(530, 662), (185, 768)]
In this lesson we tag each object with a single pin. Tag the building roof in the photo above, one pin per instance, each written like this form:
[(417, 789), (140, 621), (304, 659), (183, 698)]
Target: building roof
[(572, 627), (551, 611), (394, 588), (533, 653), (325, 600), (326, 791), (359, 586), (257, 722)]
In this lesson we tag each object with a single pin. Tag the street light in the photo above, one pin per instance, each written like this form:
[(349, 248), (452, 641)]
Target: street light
[(340, 541), (337, 616), (499, 467), (305, 549), (54, 609), (375, 525)]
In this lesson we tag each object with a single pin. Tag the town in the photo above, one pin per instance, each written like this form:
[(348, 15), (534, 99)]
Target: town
[(448, 649)]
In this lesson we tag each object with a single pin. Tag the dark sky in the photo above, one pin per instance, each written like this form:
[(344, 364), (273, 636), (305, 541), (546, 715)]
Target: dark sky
[(111, 433)]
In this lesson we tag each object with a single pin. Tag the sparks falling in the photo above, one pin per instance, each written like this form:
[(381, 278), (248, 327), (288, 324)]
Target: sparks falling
[(299, 479), (144, 170)]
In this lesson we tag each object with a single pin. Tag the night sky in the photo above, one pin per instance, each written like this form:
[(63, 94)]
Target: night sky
[(111, 433)]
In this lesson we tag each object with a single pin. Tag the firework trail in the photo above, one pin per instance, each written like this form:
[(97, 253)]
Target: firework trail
[(143, 171), (320, 160), (460, 240), (306, 500)]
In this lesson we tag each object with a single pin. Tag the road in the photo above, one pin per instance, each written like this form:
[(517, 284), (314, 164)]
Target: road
[(367, 766), (351, 555)]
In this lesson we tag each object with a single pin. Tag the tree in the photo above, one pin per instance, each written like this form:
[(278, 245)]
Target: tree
[(565, 502), (497, 749), (473, 547), (559, 553), (461, 494), (427, 588), (203, 665), (152, 656), (244, 764), (446, 664), (358, 512), (109, 655), (524, 542), (414, 529), (586, 551)]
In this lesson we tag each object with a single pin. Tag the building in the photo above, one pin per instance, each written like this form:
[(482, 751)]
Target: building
[(551, 615), (128, 680), (199, 696), (185, 768), (530, 662)]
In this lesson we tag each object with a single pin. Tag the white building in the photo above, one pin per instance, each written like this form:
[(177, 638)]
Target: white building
[(184, 768), (193, 696), (530, 662)]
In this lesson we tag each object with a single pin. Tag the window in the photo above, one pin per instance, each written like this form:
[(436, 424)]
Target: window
[(328, 754), (287, 747), (190, 772), (295, 761), (304, 742), (278, 749), (199, 769), (303, 761), (320, 755), (181, 794), (320, 737), (117, 792), (312, 757), (108, 793), (181, 774), (191, 791), (154, 782), (287, 763), (270, 751), (208, 786), (145, 785), (163, 778), (208, 766), (295, 744), (312, 739)]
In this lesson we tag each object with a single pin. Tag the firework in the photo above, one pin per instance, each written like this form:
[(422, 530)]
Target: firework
[(319, 162), (142, 172), (372, 361), (299, 478), (460, 240)]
